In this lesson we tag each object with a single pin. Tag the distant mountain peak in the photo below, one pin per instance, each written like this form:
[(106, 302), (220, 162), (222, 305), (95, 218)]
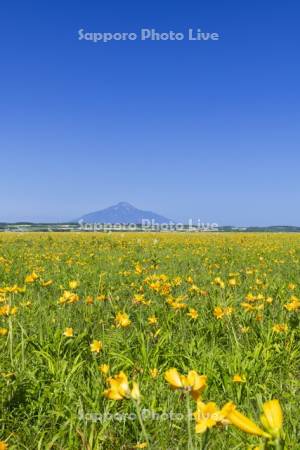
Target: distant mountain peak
[(124, 205), (123, 213)]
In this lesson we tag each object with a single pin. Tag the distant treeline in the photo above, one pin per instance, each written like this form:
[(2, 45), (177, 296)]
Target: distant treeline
[(67, 227)]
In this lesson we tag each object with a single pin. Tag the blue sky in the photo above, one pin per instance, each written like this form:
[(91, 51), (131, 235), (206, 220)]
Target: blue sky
[(206, 130)]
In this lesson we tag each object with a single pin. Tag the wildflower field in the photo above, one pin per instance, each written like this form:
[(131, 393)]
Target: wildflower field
[(159, 341)]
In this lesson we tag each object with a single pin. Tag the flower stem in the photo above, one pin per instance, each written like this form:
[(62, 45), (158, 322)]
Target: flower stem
[(138, 411), (277, 444), (188, 411), (205, 439)]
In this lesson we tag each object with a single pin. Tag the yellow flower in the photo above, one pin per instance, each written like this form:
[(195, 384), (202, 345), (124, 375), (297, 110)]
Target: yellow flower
[(68, 332), (232, 282), (96, 346), (247, 306), (141, 445), (31, 278), (89, 300), (245, 329), (154, 372), (173, 378), (152, 320), (208, 415), (193, 314), (138, 269), (104, 368), (192, 382), (26, 304), (218, 312), (135, 391), (119, 388), (280, 328), (122, 320), (46, 283), (68, 297), (291, 286), (7, 310), (242, 422), (219, 282), (73, 284), (177, 305), (250, 297), (294, 304), (3, 445), (177, 281), (3, 331), (239, 378), (272, 418), (228, 311), (140, 299), (194, 289)]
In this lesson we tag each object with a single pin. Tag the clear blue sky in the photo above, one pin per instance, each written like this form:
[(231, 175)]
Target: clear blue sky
[(205, 130)]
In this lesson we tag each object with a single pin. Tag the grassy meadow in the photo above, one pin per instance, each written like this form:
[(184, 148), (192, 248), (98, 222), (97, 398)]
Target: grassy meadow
[(91, 324)]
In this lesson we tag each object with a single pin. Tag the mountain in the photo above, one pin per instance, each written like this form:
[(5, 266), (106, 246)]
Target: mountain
[(123, 213)]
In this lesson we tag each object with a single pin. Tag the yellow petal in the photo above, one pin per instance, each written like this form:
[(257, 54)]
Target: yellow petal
[(121, 383), (112, 394), (211, 408), (201, 426), (173, 378), (273, 416), (210, 422), (135, 391), (196, 381), (243, 423)]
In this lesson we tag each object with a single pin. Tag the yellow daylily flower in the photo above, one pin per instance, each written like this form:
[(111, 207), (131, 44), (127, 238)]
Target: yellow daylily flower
[(173, 378), (272, 418), (193, 313), (293, 305), (141, 445), (154, 372), (119, 388), (219, 282), (242, 422), (46, 283), (192, 382), (7, 310), (280, 328), (104, 368), (73, 284), (239, 378), (218, 312), (68, 332), (135, 391), (68, 297), (96, 346), (89, 300), (152, 320), (207, 416), (122, 320), (31, 278)]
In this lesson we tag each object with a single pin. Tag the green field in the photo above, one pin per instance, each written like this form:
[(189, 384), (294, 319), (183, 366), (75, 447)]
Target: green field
[(78, 309)]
